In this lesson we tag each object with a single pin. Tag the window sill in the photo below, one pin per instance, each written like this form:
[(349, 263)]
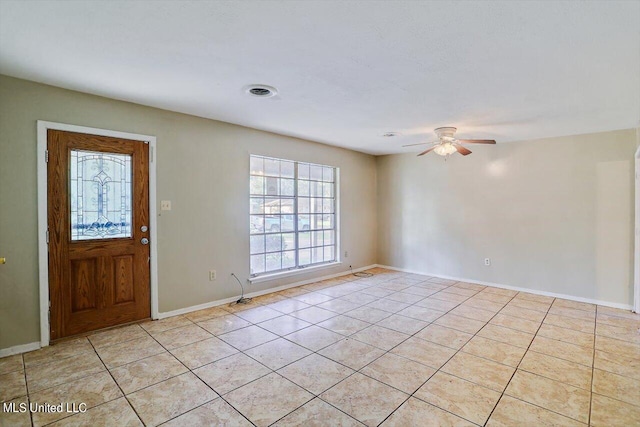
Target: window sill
[(283, 274)]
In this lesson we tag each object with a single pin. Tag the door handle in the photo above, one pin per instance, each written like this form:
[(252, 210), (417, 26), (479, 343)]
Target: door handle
[(144, 241)]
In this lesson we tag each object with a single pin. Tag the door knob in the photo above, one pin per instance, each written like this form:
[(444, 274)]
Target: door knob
[(144, 241)]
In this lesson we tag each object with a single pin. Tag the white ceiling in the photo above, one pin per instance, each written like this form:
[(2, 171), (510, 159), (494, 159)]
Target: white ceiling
[(347, 71)]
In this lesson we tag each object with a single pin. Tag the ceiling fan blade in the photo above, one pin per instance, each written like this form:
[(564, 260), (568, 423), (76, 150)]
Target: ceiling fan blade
[(462, 150), (426, 151), (419, 143), (477, 141)]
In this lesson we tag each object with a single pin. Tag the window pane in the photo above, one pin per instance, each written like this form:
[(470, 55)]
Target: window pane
[(286, 169), (287, 206), (303, 204), (327, 205), (274, 261), (328, 237), (327, 174), (329, 253), (257, 185), (303, 171), (316, 238), (315, 189), (303, 188), (272, 186), (256, 224), (304, 256), (303, 222), (257, 264), (287, 223), (257, 244), (256, 165), (316, 173), (273, 242), (101, 192), (272, 223), (288, 241), (328, 221), (271, 205), (256, 205), (286, 187), (317, 254), (289, 259), (317, 205), (304, 239), (272, 167), (327, 189)]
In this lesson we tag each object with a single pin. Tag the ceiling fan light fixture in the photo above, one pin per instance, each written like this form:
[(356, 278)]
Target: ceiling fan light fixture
[(445, 149)]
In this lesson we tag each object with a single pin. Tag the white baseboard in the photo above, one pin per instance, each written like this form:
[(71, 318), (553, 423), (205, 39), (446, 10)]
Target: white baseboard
[(516, 288), (256, 294), (23, 348)]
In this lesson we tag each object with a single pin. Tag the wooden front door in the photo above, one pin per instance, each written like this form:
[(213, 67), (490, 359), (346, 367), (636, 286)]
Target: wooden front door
[(98, 219)]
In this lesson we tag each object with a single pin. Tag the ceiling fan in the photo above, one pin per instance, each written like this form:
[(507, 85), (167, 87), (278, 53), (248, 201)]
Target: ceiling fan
[(448, 144)]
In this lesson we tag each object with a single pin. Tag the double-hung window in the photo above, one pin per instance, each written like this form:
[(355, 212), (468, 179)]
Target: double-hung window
[(292, 215)]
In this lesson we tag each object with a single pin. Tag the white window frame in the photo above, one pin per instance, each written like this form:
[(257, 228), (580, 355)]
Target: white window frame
[(297, 269)]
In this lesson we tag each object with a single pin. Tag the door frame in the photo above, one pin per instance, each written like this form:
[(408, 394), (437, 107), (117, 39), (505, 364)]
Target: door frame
[(43, 250), (636, 255)]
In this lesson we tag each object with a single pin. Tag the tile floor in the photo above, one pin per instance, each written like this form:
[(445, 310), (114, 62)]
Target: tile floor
[(394, 349)]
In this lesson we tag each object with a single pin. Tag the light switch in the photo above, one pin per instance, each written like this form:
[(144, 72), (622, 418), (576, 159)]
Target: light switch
[(165, 205)]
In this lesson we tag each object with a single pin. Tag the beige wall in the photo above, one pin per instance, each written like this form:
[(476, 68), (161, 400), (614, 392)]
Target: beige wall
[(203, 168), (553, 215)]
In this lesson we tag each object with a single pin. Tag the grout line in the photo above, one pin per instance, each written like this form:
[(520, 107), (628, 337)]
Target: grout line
[(593, 365)]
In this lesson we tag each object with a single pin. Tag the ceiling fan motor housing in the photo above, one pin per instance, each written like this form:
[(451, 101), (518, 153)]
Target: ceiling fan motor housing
[(445, 132)]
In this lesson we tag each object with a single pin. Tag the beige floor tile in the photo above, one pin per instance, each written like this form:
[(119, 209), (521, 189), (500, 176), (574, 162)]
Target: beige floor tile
[(16, 417), (461, 291), (557, 369), (448, 296), (437, 304), (380, 337), (472, 286), (293, 292), (313, 298), (178, 337), (444, 336), (462, 398), (607, 412), (523, 313), (223, 324), (579, 324), (616, 386), (425, 352), (270, 298), (377, 291), (388, 305), (506, 335), (553, 395), (566, 335), (565, 303), (232, 372), (11, 364), (129, 351), (146, 372), (92, 391), (500, 352), (534, 297), (459, 323), (617, 363), (284, 325), (394, 286), (206, 314), (258, 314), (339, 306), (117, 413), (613, 345), (420, 291), (473, 313), (515, 323), (244, 339), (622, 322), (352, 353), (359, 298), (563, 350), (489, 296), (618, 312), (62, 371), (365, 399), (484, 372), (441, 281), (513, 412), (315, 373), (12, 385), (268, 399), (403, 324), (616, 332), (288, 306), (415, 412), (399, 372), (117, 335), (215, 413), (368, 314), (344, 325), (530, 305), (156, 326), (234, 307), (500, 291), (58, 351), (318, 413), (202, 352), (484, 304), (314, 337), (571, 312), (170, 398), (405, 297), (314, 314), (277, 353), (421, 313)]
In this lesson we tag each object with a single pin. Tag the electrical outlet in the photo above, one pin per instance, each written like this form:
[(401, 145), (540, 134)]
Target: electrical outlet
[(346, 254), (212, 275), (487, 261), (165, 205)]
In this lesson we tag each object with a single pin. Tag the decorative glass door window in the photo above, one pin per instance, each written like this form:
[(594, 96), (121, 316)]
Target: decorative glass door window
[(292, 215), (100, 193)]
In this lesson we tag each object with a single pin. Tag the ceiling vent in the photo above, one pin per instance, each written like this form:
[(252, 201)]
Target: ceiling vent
[(261, 91)]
